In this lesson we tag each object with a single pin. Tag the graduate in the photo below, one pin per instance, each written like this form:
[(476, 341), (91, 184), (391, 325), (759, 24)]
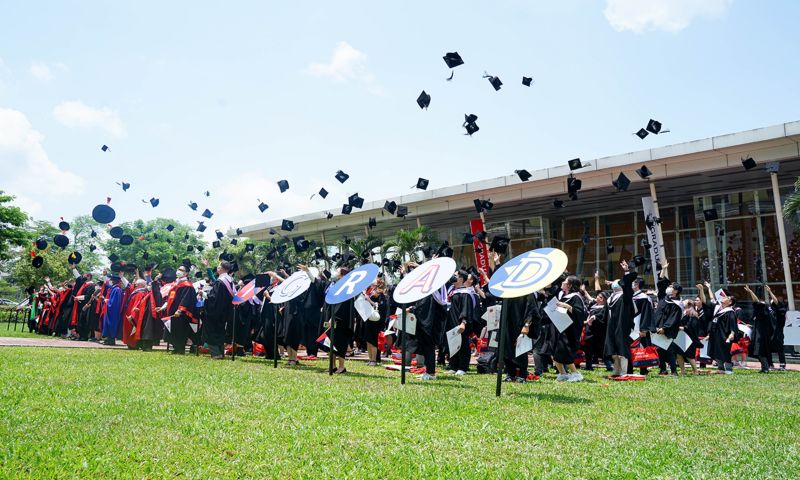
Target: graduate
[(778, 309), (430, 312), (668, 318), (762, 326), (620, 320), (722, 330), (376, 296), (568, 341), (130, 325), (291, 327), (148, 316), (219, 310), (312, 314), (181, 307), (341, 320), (82, 298), (595, 328), (112, 320), (461, 315), (691, 325), (523, 318)]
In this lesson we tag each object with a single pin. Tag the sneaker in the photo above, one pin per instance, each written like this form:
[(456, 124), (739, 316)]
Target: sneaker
[(562, 377), (520, 380), (728, 372), (426, 376), (460, 373), (508, 378), (451, 372), (575, 377)]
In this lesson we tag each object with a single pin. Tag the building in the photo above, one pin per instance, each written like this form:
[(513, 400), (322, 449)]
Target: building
[(742, 245)]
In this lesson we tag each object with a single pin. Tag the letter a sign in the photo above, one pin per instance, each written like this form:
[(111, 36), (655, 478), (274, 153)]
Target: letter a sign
[(424, 280)]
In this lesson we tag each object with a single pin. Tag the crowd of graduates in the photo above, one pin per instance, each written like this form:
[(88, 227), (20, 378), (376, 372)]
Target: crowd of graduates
[(621, 326)]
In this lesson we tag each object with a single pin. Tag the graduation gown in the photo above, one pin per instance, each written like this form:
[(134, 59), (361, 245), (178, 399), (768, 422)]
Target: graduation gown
[(621, 310), (113, 312), (520, 311), (181, 299), (342, 316), (151, 327), (219, 310), (778, 324), (290, 329), (130, 324), (761, 339), (567, 342), (723, 323)]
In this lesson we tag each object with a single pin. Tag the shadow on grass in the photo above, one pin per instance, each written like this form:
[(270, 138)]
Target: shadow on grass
[(551, 397)]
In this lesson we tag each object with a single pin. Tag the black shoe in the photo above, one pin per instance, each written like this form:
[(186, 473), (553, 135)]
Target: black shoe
[(508, 378)]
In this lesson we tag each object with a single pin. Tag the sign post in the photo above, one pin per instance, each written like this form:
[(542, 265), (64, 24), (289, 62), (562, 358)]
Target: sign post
[(520, 276), (287, 290)]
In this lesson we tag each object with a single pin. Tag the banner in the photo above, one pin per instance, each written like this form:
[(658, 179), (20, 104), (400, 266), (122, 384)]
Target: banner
[(654, 238), (481, 249)]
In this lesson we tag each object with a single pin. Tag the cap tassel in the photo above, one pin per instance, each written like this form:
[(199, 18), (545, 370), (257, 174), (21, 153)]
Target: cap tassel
[(33, 254), (108, 200), (452, 72)]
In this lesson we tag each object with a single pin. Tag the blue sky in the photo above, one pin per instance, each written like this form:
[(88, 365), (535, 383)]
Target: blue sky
[(195, 96)]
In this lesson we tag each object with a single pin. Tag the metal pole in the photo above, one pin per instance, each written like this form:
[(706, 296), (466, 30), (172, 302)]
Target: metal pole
[(403, 350), (501, 352), (275, 339), (787, 275), (233, 336), (330, 349)]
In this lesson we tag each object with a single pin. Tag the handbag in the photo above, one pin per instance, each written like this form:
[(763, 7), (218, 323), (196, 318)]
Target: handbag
[(643, 357)]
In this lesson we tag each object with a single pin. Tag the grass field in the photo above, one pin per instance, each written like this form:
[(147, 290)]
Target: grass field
[(88, 413)]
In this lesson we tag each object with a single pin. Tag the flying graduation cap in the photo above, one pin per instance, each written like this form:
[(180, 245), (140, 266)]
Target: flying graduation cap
[(283, 185), (262, 207), (116, 232), (575, 164), (748, 163), (558, 203), (422, 183), (103, 213), (621, 183), (390, 207), (524, 175), (372, 222), (125, 186), (341, 176), (402, 211), (207, 213), (104, 148), (170, 227), (201, 227), (424, 100), (355, 201), (643, 172), (482, 205), (153, 201), (347, 209), (527, 81), (469, 123), (452, 59), (218, 234), (207, 193), (495, 81), (323, 193), (287, 225), (654, 127), (41, 243), (193, 205), (63, 226)]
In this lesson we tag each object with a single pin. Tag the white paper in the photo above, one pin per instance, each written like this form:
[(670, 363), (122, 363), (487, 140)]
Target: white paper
[(791, 335), (637, 322), (745, 329), (453, 341), (363, 307), (524, 345), (193, 326), (492, 317), (704, 350), (792, 318), (168, 324), (411, 323), (389, 329), (493, 339), (661, 341), (683, 341), (558, 315)]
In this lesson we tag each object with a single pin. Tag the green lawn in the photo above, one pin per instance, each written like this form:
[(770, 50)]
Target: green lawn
[(70, 413)]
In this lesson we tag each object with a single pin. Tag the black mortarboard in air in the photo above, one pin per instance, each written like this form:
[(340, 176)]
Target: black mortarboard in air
[(201, 227), (499, 244), (64, 226), (193, 205), (575, 164), (495, 81), (341, 176), (170, 227), (402, 211), (234, 241), (329, 215), (189, 248), (638, 260), (558, 203), (74, 258), (116, 232), (153, 202), (621, 183), (524, 175), (372, 222), (113, 258), (262, 207), (218, 234), (272, 232), (469, 123), (710, 214), (422, 183), (481, 236), (300, 244), (323, 193), (103, 213), (573, 184), (283, 185), (471, 118), (207, 193), (239, 231), (319, 254), (125, 186), (468, 238), (168, 274), (126, 240), (347, 209), (748, 163), (355, 201), (215, 244), (478, 205), (642, 133), (609, 248), (654, 126), (41, 243), (104, 148), (643, 172), (527, 81), (390, 207), (287, 225), (207, 213), (93, 234), (453, 59), (37, 261), (198, 274), (249, 247), (200, 248), (445, 250), (424, 100)]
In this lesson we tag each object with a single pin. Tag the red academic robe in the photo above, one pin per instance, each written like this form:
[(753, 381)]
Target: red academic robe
[(131, 328)]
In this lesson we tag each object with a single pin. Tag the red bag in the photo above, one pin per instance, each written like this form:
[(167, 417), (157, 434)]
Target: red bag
[(736, 349), (258, 349), (644, 357), (381, 341), (580, 357)]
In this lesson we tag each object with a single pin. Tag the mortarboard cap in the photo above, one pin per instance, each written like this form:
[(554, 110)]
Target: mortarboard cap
[(347, 209), (145, 256), (201, 227), (355, 201), (116, 232), (524, 175), (103, 213), (61, 241), (113, 258), (372, 222), (319, 254), (748, 163), (643, 172), (422, 183), (478, 205), (329, 215), (104, 148), (41, 243), (575, 164), (239, 231), (642, 133), (170, 227), (495, 81), (527, 81), (654, 126), (198, 274), (424, 100), (283, 185), (218, 234), (573, 184), (471, 128), (621, 183), (638, 260), (153, 202), (168, 274), (300, 244), (200, 248), (558, 203), (453, 59), (207, 213), (125, 240), (93, 234), (215, 244), (287, 225), (234, 241), (74, 258), (390, 207), (207, 193), (189, 248), (323, 193), (64, 226), (193, 205), (710, 214), (609, 248), (499, 244), (37, 261), (481, 236), (402, 211), (125, 186), (341, 176), (249, 247)]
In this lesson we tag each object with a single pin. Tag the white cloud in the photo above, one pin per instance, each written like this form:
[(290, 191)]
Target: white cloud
[(30, 172), (40, 71), (668, 15), (347, 64), (77, 114)]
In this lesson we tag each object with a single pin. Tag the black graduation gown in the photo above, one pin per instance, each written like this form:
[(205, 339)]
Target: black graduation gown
[(521, 310), (692, 326), (185, 301), (719, 329), (267, 316), (343, 322), (152, 325), (594, 335), (462, 309), (779, 323), (219, 312), (621, 312), (647, 320), (546, 332), (290, 329), (761, 339), (668, 314), (568, 342), (314, 298), (429, 315)]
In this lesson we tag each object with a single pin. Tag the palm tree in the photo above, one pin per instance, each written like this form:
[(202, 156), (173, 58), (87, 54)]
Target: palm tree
[(791, 208), (408, 242)]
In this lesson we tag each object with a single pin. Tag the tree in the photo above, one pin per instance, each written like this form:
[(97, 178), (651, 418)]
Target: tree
[(12, 227), (164, 247), (408, 242), (791, 209), (55, 265)]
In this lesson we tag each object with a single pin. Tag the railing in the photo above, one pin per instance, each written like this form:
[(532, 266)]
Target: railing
[(12, 315)]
